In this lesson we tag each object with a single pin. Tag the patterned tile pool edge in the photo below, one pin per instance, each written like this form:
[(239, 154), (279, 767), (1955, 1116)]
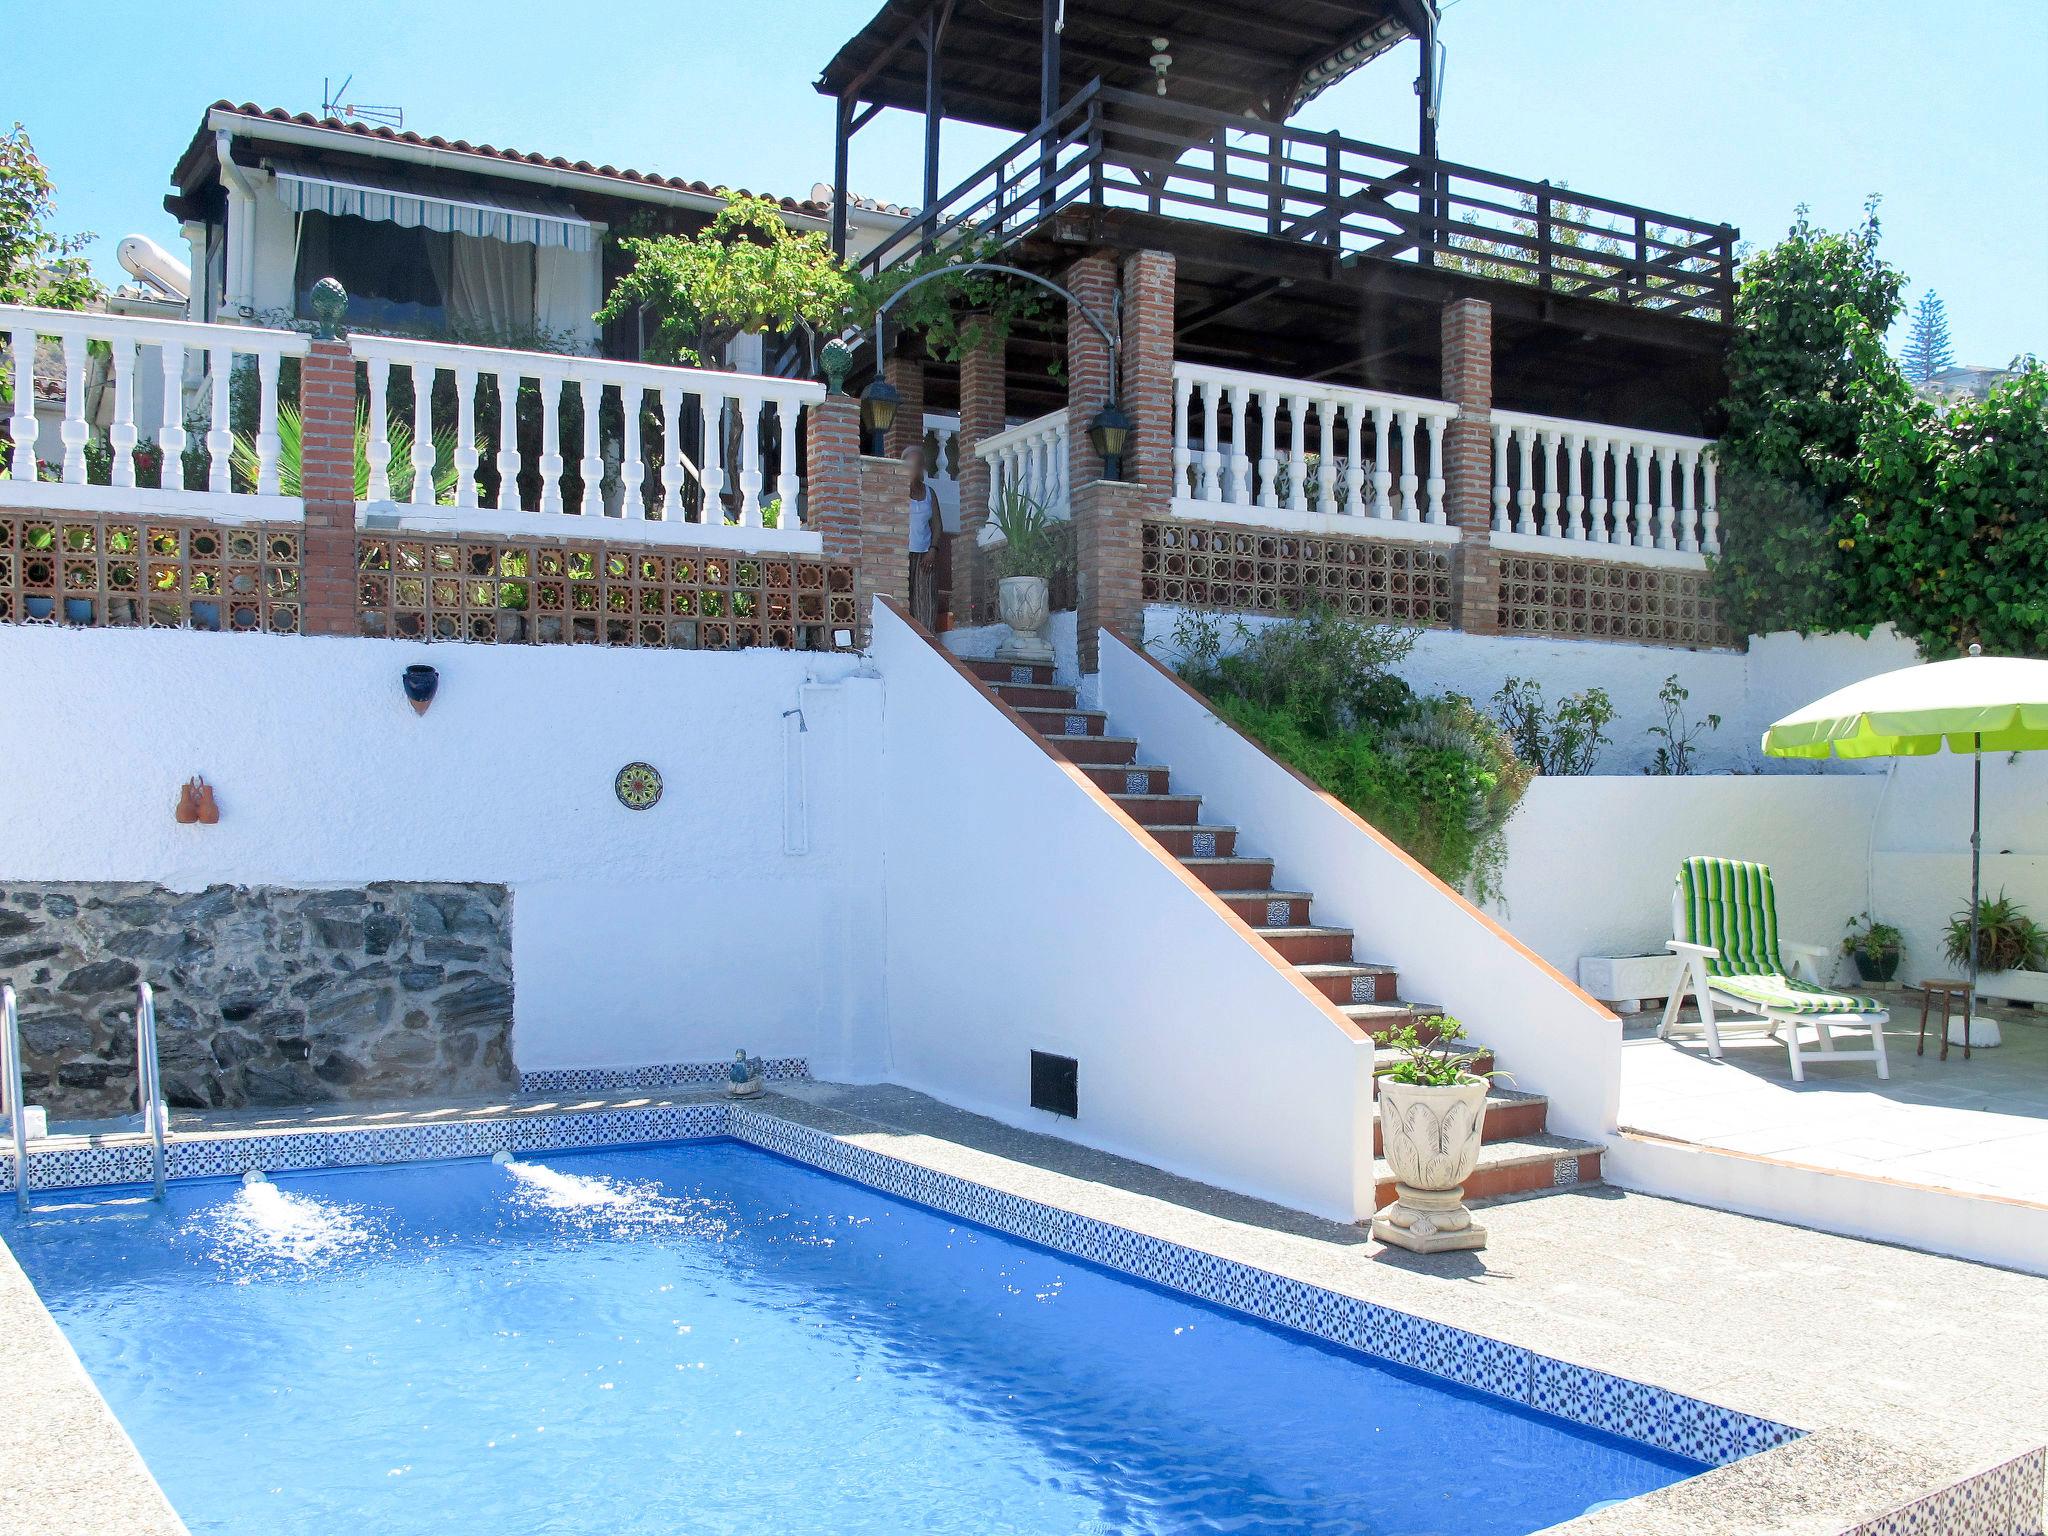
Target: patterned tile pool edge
[(671, 1074), (2004, 1500), (1653, 1415)]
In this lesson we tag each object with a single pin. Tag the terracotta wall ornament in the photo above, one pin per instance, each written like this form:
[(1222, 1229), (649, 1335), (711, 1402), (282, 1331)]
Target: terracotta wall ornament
[(196, 803)]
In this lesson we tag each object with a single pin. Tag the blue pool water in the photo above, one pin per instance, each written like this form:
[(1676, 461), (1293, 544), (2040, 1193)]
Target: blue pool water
[(704, 1338)]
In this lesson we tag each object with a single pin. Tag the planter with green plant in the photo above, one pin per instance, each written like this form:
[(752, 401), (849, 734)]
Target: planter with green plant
[(1432, 1109), (1875, 947), (1025, 549), (2007, 939)]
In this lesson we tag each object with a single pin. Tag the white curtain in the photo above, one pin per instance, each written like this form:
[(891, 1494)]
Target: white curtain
[(490, 287)]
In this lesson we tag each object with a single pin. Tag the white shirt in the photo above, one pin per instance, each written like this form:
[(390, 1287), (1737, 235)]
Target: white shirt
[(923, 513)]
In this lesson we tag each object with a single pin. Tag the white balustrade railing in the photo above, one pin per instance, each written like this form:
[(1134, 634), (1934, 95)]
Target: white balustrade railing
[(1030, 458), (941, 448), (1252, 447), (124, 386), (683, 455), (1603, 485)]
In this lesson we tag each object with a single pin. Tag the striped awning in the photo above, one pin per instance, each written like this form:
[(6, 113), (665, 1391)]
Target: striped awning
[(518, 217)]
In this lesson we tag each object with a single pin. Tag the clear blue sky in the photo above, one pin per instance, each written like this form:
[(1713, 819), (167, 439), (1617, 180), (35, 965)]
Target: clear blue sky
[(1720, 109)]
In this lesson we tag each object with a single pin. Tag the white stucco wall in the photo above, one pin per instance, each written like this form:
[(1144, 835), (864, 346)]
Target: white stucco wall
[(1024, 914), (675, 934)]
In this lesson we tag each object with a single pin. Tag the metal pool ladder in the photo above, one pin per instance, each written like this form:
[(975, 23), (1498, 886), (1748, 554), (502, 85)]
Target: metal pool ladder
[(149, 1083), (10, 1079)]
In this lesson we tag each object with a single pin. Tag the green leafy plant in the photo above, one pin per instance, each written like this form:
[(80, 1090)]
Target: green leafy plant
[(1680, 737), (1874, 946), (290, 450), (2007, 939), (1564, 740), (1437, 1062), (37, 265), (1030, 544), (957, 311)]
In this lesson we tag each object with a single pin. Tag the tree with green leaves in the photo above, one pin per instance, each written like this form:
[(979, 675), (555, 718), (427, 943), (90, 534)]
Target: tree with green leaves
[(37, 265), (1927, 349)]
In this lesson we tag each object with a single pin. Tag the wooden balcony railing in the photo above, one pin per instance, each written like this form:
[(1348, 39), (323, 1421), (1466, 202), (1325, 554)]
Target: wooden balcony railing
[(1118, 149)]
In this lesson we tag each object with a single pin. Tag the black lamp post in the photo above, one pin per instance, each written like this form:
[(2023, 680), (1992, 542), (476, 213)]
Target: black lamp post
[(878, 404), (1107, 432)]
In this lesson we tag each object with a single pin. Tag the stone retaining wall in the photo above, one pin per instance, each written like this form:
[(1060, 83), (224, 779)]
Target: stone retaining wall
[(265, 994)]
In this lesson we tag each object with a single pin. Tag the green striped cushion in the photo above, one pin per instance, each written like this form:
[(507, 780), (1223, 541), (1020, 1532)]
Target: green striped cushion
[(1790, 996), (1729, 905)]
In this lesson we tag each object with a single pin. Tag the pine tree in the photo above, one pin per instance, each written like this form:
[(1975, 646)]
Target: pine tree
[(1927, 349)]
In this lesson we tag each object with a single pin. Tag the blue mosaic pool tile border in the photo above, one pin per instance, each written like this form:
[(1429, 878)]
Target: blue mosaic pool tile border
[(1632, 1409), (2004, 1500), (671, 1074)]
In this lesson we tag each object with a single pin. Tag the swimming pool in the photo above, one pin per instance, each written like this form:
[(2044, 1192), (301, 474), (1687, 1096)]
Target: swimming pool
[(707, 1337)]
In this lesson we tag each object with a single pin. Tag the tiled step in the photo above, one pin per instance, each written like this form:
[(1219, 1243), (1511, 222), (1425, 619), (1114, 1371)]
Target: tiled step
[(1267, 908), (1379, 1019), (1150, 810), (1061, 721), (1034, 695), (1094, 751), (1510, 1116), (1010, 672), (1231, 874), (1308, 945), (1149, 780), (1348, 982), (1196, 842), (1519, 1165)]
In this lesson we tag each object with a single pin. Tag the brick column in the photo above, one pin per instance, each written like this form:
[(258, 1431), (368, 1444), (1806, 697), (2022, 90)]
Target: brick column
[(327, 482), (984, 408), (1468, 462), (884, 536), (1148, 374), (907, 430), (832, 475)]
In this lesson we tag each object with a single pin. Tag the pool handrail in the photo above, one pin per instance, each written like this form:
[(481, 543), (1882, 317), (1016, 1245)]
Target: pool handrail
[(10, 1079), (149, 1087)]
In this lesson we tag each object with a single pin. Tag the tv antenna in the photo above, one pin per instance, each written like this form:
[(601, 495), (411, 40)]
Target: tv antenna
[(331, 105)]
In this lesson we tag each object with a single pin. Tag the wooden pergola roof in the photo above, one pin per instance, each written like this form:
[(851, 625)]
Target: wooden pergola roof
[(1262, 58)]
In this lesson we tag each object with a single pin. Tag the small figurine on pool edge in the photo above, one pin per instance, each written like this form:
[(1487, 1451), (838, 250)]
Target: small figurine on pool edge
[(744, 1075)]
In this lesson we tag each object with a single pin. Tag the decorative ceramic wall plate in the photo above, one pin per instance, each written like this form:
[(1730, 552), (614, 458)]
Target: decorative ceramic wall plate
[(638, 786)]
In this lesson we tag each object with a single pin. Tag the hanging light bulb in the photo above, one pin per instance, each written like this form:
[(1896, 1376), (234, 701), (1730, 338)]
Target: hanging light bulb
[(1162, 61)]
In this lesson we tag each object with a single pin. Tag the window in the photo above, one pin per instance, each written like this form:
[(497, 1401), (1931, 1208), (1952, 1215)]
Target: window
[(395, 277)]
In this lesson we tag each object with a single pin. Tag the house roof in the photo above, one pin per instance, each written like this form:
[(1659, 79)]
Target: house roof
[(194, 165), (1263, 57)]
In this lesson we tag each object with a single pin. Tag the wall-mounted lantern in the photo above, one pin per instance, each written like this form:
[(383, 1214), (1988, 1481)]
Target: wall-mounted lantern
[(421, 682), (878, 403), (1108, 432)]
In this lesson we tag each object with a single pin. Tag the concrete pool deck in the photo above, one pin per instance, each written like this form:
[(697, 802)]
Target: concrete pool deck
[(1911, 1371)]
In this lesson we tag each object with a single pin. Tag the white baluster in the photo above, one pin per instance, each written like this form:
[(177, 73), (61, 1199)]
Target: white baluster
[(219, 439), (1553, 497), (1596, 503), (750, 462), (632, 473), (121, 434), (508, 466), (21, 426), (1240, 461), (787, 483), (377, 440), (1326, 466), (1688, 532), (1212, 460), (1297, 440), (1354, 450), (592, 462), (1435, 483), (1060, 489), (712, 466), (1525, 492), (1623, 507), (1269, 463), (1644, 537), (1500, 477), (74, 432), (170, 436), (1411, 505), (1665, 511), (467, 453), (1710, 511), (1183, 387), (1382, 462), (269, 446), (672, 510), (551, 387), (1574, 492), (423, 435)]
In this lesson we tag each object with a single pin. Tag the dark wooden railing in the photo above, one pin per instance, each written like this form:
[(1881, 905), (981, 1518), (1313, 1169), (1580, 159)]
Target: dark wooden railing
[(1118, 149)]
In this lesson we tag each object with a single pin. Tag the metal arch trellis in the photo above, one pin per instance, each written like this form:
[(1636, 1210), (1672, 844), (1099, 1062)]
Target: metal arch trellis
[(1108, 335)]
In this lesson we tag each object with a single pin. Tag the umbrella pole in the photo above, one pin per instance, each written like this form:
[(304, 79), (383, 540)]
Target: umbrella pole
[(1976, 872)]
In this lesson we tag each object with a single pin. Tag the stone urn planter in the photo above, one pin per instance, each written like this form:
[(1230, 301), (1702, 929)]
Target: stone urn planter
[(1431, 1138), (1024, 604)]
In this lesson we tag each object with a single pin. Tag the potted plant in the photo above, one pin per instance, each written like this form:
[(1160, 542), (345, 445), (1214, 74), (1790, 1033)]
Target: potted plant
[(1875, 947), (1025, 549), (1432, 1111), (2007, 939)]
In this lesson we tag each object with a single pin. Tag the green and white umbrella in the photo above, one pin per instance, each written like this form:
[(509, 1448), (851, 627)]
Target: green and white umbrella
[(1976, 704)]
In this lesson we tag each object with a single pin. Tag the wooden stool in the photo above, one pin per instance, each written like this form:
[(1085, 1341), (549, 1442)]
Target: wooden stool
[(1951, 992)]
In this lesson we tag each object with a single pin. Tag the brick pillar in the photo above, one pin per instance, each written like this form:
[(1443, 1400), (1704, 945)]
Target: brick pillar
[(1148, 374), (832, 475), (984, 408), (884, 536), (327, 482), (1468, 462), (907, 430)]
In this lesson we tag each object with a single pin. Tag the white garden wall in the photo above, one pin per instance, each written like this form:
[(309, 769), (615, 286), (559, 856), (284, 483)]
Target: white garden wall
[(675, 934), (1025, 913)]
